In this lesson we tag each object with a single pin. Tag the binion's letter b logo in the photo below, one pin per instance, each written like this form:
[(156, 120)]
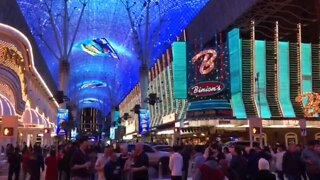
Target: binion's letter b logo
[(208, 57)]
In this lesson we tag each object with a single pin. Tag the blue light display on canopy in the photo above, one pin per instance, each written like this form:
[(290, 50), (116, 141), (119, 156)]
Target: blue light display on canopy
[(104, 19)]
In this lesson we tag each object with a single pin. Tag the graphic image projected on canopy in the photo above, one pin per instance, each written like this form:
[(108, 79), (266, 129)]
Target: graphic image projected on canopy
[(99, 47)]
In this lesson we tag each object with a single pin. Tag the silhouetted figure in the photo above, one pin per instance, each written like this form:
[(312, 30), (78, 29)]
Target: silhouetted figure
[(52, 166), (292, 164), (36, 163), (14, 159), (264, 171)]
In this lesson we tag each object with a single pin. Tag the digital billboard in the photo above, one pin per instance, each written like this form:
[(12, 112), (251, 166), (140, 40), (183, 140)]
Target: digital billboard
[(62, 119), (208, 84), (144, 121), (208, 73)]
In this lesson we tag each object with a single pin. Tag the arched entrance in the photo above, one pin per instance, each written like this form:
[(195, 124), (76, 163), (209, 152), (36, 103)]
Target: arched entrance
[(8, 122), (34, 127), (291, 137)]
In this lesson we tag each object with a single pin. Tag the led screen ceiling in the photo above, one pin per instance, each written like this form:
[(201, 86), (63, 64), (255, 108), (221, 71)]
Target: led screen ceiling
[(106, 19)]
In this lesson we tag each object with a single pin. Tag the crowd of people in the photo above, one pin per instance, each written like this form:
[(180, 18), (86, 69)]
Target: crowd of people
[(240, 163), (81, 161)]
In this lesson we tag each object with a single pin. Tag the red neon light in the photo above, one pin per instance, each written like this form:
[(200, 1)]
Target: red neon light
[(207, 65)]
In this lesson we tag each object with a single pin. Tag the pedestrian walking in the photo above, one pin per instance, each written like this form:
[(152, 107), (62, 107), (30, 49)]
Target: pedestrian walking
[(140, 166), (52, 166), (14, 159), (102, 161), (264, 171), (80, 162), (176, 164), (210, 169), (291, 164), (278, 158), (312, 160), (112, 168), (36, 163)]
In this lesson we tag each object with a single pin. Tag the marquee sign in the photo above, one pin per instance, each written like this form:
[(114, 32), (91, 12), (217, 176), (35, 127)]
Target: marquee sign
[(206, 88)]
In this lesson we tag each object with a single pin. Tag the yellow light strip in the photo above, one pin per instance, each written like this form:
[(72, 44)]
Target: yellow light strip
[(252, 68), (276, 50), (29, 47)]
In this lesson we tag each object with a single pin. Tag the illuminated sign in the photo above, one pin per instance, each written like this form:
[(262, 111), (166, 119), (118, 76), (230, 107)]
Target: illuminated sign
[(46, 131), (255, 130), (144, 121), (208, 59), (9, 54), (207, 73), (99, 47), (8, 131), (210, 113), (206, 88), (62, 119), (112, 132)]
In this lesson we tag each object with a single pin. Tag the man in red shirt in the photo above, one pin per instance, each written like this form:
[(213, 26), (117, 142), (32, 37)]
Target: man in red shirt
[(52, 166)]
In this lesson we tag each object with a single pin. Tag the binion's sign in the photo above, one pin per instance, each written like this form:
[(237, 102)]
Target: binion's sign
[(208, 60), (207, 88), (208, 73)]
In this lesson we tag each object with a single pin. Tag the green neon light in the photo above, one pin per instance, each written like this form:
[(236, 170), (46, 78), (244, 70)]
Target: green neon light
[(235, 57), (306, 69), (284, 80), (260, 68), (179, 54)]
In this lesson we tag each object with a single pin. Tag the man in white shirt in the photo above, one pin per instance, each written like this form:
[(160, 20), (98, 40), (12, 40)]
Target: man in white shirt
[(102, 161), (278, 158), (176, 164)]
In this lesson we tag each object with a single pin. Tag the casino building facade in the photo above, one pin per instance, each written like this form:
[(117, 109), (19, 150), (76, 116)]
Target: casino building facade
[(212, 84), (27, 111)]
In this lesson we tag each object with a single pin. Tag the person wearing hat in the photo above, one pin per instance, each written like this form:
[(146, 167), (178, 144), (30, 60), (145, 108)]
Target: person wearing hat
[(264, 171)]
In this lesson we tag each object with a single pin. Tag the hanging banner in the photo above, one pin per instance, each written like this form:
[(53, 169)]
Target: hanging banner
[(62, 119), (144, 121)]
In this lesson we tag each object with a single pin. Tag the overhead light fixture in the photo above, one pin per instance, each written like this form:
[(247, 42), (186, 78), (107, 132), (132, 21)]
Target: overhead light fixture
[(153, 99)]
